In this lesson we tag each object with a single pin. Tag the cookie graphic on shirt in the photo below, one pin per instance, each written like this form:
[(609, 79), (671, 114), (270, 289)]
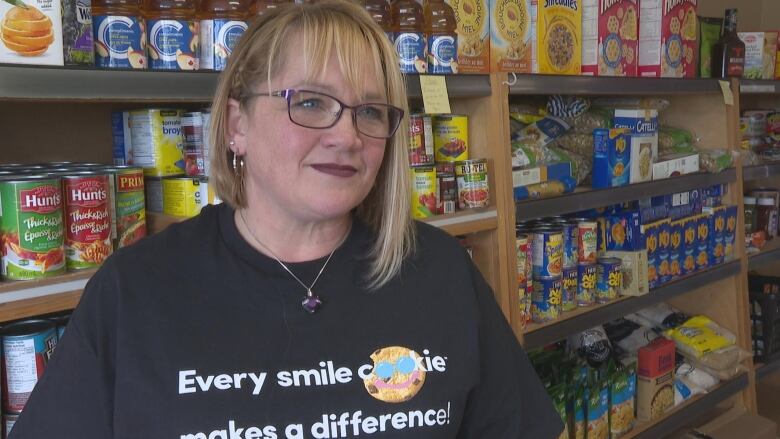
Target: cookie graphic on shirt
[(396, 376)]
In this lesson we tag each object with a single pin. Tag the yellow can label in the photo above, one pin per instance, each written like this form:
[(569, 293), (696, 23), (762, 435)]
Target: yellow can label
[(157, 141), (184, 196), (424, 192), (450, 138), (560, 37)]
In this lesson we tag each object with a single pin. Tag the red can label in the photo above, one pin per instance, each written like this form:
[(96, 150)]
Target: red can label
[(587, 242), (25, 359), (420, 140), (87, 221)]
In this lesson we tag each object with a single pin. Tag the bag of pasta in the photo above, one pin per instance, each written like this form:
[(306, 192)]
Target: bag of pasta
[(529, 144), (673, 140), (622, 389), (716, 160), (598, 411), (580, 424), (699, 336), (558, 394), (581, 144)]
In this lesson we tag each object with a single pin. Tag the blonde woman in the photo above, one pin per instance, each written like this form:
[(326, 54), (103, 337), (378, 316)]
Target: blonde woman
[(308, 305)]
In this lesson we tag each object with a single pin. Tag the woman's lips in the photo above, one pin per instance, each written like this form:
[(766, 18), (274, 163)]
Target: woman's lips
[(335, 170)]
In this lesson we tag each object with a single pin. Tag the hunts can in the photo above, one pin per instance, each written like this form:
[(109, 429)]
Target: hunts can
[(570, 241), (450, 138), (569, 291), (587, 240), (546, 300), (420, 140), (424, 192), (184, 196), (87, 219), (27, 347), (448, 193), (547, 252), (522, 247), (610, 279), (129, 205), (473, 188), (586, 284), (31, 228)]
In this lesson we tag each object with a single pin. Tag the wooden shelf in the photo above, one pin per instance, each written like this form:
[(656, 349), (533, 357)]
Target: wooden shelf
[(591, 85), (769, 254), (30, 298), (759, 86), (466, 221), (758, 172)]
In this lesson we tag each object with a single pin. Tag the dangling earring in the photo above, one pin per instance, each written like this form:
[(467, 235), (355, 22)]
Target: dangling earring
[(237, 161)]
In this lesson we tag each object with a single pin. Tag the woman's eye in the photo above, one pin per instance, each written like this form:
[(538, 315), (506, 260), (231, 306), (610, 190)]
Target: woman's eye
[(310, 104), (370, 113)]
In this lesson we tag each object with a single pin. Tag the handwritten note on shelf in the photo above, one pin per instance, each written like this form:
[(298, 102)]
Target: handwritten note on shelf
[(728, 96), (435, 97)]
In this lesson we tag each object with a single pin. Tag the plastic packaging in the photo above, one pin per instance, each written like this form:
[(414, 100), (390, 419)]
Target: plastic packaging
[(699, 336), (716, 160)]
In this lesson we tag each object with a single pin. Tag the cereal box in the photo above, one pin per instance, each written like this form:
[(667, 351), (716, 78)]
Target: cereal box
[(610, 31), (664, 252), (703, 251), (650, 236), (760, 54), (729, 237), (611, 157), (634, 267), (513, 36), (472, 19), (668, 45), (559, 33), (31, 32), (689, 245), (623, 232), (676, 249), (644, 141)]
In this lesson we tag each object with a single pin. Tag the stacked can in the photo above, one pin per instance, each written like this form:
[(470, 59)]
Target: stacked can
[(523, 258), (610, 279), (547, 257), (587, 247), (570, 260)]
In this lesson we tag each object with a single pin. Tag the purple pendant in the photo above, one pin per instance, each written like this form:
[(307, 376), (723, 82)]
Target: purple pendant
[(311, 303)]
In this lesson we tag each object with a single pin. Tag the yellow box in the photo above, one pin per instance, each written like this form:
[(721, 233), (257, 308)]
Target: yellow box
[(513, 36), (157, 141), (559, 37), (473, 28)]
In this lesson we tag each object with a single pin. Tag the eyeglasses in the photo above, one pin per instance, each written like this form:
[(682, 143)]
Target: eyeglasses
[(311, 109)]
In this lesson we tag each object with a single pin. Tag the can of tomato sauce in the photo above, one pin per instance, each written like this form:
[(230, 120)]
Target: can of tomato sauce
[(473, 188), (27, 348), (87, 219), (587, 240), (450, 138), (448, 193), (424, 192), (420, 140), (31, 227), (547, 252), (192, 135)]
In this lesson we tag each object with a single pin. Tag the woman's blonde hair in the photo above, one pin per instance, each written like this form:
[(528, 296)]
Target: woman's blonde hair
[(325, 29)]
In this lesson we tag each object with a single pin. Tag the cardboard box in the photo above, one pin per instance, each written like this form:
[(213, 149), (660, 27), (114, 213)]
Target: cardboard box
[(611, 157), (676, 249), (559, 37), (610, 31), (555, 171), (634, 269), (674, 165), (157, 141), (513, 36), (703, 250), (644, 140), (668, 40), (655, 379), (760, 54), (21, 29), (122, 140), (730, 236), (622, 231), (688, 254), (473, 28), (78, 48)]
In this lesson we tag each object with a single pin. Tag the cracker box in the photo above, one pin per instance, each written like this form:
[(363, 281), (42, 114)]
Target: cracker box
[(689, 245), (559, 37), (676, 249), (610, 30), (472, 19), (674, 165), (611, 157), (32, 35), (664, 252), (655, 379), (760, 54), (513, 36), (703, 251), (729, 237), (622, 231), (644, 141), (634, 267), (668, 40), (650, 236)]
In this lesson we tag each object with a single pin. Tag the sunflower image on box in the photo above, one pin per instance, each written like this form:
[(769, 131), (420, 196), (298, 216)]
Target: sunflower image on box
[(31, 32)]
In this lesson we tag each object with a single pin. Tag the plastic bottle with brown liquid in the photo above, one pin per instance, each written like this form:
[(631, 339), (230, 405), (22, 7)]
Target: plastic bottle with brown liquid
[(173, 34), (222, 22), (259, 7), (380, 12), (440, 26), (409, 36), (119, 34)]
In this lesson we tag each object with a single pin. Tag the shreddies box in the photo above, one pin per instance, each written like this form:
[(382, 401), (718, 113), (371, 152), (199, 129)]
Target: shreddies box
[(559, 37), (32, 35), (473, 28), (668, 43), (513, 36), (760, 54), (610, 30)]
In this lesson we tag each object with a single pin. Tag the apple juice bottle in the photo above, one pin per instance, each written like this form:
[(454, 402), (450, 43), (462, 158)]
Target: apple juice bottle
[(119, 34), (222, 22), (173, 34)]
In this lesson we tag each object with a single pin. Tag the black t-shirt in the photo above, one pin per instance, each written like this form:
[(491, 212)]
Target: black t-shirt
[(193, 334)]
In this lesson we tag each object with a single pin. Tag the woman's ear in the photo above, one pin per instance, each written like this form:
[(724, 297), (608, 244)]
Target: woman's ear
[(236, 127)]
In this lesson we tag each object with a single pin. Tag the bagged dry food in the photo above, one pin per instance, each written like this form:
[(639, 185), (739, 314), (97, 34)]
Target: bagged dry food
[(699, 336), (716, 160), (545, 189), (581, 144), (528, 144), (558, 395), (567, 107), (598, 411), (580, 425), (592, 119), (660, 316), (622, 396), (592, 345), (673, 140), (629, 102), (709, 33), (725, 363)]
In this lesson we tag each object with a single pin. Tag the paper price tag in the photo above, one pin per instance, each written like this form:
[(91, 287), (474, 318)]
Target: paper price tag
[(728, 97), (435, 97)]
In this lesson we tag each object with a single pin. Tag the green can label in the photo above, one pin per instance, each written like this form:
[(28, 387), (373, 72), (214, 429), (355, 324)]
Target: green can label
[(130, 208), (31, 226)]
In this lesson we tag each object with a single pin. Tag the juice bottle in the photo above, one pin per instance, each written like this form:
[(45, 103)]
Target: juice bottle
[(222, 22), (119, 34), (380, 12), (173, 34), (258, 7), (440, 28), (409, 36)]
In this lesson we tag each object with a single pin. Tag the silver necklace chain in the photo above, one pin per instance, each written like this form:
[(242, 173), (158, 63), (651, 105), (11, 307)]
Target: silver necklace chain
[(314, 301)]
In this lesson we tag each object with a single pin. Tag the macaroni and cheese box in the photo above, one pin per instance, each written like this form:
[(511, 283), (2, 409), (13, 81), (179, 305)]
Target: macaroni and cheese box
[(513, 36), (703, 256), (668, 40), (688, 254), (559, 37), (676, 249), (760, 54), (623, 232), (644, 140), (650, 236), (655, 379), (611, 157), (664, 254), (610, 30), (717, 227), (730, 235), (472, 20)]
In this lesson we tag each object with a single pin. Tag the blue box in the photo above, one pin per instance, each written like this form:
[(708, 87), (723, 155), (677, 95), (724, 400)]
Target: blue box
[(120, 135), (611, 157), (623, 232)]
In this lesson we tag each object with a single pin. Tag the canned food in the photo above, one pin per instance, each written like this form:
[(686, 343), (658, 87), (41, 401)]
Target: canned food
[(192, 136), (448, 193), (473, 188), (206, 116), (129, 204), (546, 300), (610, 279), (587, 240), (547, 252), (424, 192), (586, 284), (570, 242), (9, 420), (184, 196), (420, 140), (87, 219), (450, 138), (522, 243), (60, 322), (154, 194), (156, 138), (569, 297), (31, 227), (27, 347)]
